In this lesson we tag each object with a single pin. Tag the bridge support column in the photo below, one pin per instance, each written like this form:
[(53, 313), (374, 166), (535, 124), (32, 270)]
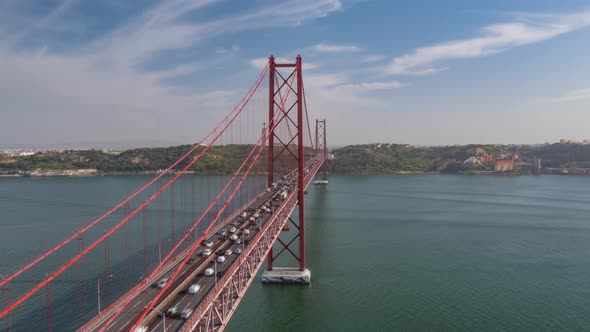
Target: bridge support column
[(286, 275), (282, 115)]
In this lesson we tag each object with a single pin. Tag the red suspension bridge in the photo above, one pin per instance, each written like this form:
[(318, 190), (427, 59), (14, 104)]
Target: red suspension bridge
[(179, 253)]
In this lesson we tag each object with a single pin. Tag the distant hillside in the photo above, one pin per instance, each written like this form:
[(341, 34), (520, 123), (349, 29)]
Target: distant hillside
[(218, 160), (353, 159), (392, 158)]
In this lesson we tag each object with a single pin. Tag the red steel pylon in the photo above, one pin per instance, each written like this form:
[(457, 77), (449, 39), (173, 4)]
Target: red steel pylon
[(321, 147), (279, 112)]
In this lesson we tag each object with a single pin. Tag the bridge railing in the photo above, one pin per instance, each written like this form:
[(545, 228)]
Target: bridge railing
[(217, 308)]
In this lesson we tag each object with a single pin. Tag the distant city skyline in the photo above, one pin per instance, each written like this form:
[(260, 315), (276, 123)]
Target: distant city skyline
[(110, 74)]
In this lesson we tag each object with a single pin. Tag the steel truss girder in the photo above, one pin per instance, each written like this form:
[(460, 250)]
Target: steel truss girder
[(216, 309)]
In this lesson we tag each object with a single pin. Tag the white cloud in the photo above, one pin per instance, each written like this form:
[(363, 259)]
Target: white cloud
[(495, 39), (100, 90), (373, 58), (370, 86), (582, 94), (332, 48), (231, 50)]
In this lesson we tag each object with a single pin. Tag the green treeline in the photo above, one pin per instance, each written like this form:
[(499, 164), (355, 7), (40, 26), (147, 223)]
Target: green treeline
[(353, 159), (391, 158)]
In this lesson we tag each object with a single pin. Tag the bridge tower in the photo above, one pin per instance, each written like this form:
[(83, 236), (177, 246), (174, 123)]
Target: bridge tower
[(321, 147), (290, 114)]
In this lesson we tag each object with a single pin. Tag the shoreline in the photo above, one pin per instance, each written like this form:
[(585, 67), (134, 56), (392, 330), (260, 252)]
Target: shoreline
[(348, 174)]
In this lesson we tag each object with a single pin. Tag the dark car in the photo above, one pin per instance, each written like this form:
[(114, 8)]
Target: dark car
[(191, 260)]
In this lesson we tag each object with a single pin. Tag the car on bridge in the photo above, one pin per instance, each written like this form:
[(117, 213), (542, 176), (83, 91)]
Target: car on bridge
[(233, 230), (172, 312), (207, 252), (141, 328), (191, 260), (246, 231), (223, 232), (221, 259), (209, 244), (186, 313), (209, 272), (228, 252), (194, 288), (243, 215), (238, 251), (162, 283), (233, 237)]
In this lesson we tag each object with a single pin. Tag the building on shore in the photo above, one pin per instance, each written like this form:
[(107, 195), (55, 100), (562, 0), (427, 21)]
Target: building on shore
[(506, 163)]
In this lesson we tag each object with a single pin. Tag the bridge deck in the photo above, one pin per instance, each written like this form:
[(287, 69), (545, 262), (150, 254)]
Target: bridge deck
[(177, 295), (149, 290)]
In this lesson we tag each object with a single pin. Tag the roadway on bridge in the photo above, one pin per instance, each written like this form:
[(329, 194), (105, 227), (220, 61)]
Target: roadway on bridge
[(177, 295)]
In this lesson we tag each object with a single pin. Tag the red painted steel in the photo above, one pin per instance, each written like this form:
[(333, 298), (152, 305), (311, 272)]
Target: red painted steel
[(274, 106), (218, 306), (301, 156), (126, 219), (216, 309), (205, 234), (187, 234), (139, 191), (271, 118), (320, 145)]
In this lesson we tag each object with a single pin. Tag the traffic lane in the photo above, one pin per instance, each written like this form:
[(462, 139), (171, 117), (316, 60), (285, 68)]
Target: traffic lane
[(207, 283), (256, 205), (186, 300), (128, 316)]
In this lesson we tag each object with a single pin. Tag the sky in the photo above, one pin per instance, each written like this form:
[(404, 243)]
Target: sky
[(110, 73)]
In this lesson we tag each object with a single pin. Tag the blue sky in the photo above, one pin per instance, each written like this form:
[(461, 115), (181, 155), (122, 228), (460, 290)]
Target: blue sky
[(119, 73)]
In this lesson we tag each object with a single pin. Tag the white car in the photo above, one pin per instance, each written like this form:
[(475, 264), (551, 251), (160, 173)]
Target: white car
[(246, 231), (238, 250), (221, 259), (185, 314), (162, 283), (232, 230), (256, 215), (243, 215), (209, 272), (207, 252), (194, 288), (209, 244), (233, 237), (141, 328), (228, 252)]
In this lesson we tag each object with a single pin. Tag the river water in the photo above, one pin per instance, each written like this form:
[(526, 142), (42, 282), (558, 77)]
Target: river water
[(392, 252)]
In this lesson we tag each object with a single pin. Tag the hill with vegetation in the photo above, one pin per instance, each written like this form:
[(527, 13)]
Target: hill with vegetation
[(353, 159), (218, 160), (396, 158)]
